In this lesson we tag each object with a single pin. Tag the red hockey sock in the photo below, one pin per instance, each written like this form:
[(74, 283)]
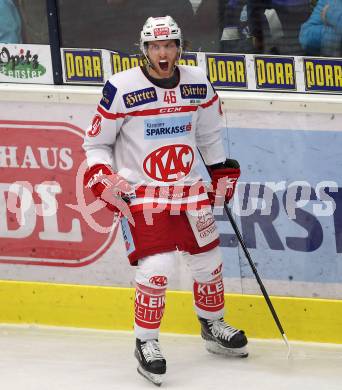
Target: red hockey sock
[(209, 296), (149, 306)]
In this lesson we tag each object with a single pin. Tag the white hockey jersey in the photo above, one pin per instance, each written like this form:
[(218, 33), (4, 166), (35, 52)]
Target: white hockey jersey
[(149, 135)]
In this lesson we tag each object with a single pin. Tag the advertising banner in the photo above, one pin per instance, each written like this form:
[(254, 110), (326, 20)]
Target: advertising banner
[(22, 63), (121, 61), (323, 74), (274, 73), (287, 204), (87, 66), (40, 197), (225, 71), (83, 66)]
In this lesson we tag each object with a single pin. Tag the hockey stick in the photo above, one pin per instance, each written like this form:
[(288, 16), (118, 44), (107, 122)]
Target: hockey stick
[(255, 272)]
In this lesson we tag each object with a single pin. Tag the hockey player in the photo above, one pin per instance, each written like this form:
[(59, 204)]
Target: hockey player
[(143, 141)]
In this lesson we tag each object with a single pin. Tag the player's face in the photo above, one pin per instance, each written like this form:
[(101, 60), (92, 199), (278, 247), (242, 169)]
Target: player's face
[(163, 56)]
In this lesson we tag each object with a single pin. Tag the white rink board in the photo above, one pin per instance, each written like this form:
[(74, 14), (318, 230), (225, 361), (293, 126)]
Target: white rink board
[(263, 148)]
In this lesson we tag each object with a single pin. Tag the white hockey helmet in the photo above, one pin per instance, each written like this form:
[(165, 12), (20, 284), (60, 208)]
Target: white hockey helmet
[(160, 29)]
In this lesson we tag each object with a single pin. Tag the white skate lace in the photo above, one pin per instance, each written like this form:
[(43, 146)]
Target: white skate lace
[(151, 350), (222, 330)]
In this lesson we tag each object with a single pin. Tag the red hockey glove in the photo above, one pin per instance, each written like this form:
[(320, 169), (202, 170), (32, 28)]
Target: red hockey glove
[(223, 180), (109, 187)]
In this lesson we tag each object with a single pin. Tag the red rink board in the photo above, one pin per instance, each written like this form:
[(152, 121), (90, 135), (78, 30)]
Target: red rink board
[(39, 162)]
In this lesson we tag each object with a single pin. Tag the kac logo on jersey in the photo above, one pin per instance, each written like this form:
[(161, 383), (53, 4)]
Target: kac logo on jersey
[(169, 163), (108, 94), (167, 127), (193, 91), (142, 96)]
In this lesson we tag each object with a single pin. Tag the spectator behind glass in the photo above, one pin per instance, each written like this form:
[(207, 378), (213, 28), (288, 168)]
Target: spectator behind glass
[(10, 22), (208, 27), (321, 34), (34, 16), (291, 14), (115, 24), (235, 36)]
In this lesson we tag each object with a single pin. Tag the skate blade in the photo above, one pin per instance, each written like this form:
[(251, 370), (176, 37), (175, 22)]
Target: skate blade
[(156, 379), (217, 349)]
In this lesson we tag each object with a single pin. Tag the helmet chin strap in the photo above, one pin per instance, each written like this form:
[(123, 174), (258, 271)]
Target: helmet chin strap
[(149, 63)]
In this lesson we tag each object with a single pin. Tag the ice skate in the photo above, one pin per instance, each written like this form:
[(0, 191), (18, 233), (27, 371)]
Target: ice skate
[(152, 364), (223, 339)]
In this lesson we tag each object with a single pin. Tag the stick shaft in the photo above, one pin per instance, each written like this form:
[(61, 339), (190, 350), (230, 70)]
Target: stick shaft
[(255, 272)]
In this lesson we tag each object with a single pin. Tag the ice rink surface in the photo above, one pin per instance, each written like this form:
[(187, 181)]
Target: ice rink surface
[(44, 358)]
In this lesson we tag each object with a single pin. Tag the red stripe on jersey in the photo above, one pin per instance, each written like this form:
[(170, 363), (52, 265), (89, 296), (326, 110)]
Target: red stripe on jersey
[(180, 198), (109, 115), (149, 112), (210, 102), (156, 111), (163, 110), (169, 206), (172, 192)]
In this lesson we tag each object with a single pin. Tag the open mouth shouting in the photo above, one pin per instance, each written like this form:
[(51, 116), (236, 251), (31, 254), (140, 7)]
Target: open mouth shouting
[(164, 65)]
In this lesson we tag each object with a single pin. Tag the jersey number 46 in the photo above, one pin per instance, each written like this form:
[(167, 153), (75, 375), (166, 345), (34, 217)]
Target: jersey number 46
[(170, 97)]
